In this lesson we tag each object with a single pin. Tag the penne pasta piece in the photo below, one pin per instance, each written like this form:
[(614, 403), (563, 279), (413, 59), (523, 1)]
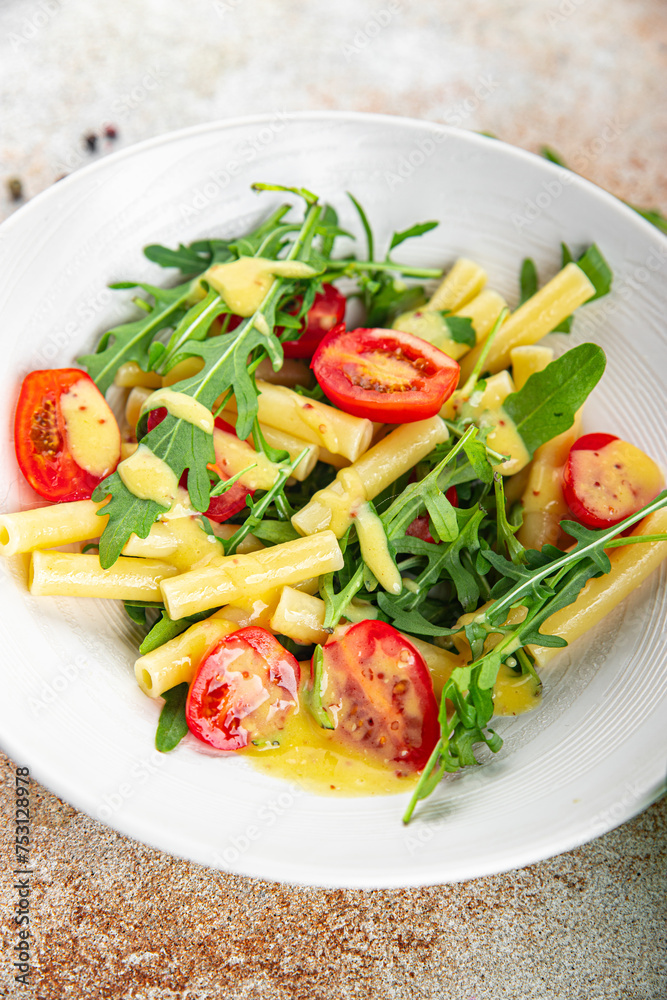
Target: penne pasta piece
[(130, 375), (46, 527), (299, 616), (543, 502), (537, 317), (230, 577), (483, 311), (337, 461), (527, 360), (184, 369), (373, 472), (315, 422), (630, 566), (136, 399), (462, 283), (176, 661), (233, 455), (286, 442), (71, 574)]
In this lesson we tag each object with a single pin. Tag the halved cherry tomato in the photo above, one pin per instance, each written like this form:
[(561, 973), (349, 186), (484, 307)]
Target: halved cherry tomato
[(227, 504), (419, 528), (384, 375), (606, 480), (326, 312), (243, 691), (66, 437), (378, 692)]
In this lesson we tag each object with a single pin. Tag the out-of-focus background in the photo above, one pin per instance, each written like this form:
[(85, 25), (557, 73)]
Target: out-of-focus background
[(78, 80)]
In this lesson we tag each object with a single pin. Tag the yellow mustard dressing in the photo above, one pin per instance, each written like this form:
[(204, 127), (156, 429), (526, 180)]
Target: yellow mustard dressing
[(308, 756), (181, 406), (91, 430), (514, 694), (485, 406), (148, 477), (245, 283), (375, 548)]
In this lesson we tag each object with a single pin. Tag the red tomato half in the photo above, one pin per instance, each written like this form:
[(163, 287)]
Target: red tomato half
[(243, 691), (43, 448), (606, 480), (384, 375), (327, 311), (378, 690)]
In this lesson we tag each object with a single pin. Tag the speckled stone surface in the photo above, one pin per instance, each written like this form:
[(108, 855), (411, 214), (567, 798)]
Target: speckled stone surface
[(112, 918)]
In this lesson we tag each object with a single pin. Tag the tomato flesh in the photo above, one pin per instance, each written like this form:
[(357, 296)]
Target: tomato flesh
[(243, 692), (41, 441), (606, 480), (384, 375), (378, 691)]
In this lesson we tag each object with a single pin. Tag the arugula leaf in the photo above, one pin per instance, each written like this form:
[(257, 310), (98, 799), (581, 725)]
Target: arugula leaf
[(412, 622), (192, 259), (167, 628), (550, 154), (275, 532), (542, 590), (130, 341), (127, 515), (172, 726), (652, 215), (408, 234), (597, 270), (365, 224), (547, 403), (194, 326), (528, 282), (460, 329)]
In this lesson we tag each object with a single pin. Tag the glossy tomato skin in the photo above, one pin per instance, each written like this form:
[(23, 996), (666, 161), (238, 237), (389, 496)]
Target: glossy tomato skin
[(378, 691), (326, 312), (243, 691), (384, 375), (606, 480), (40, 437)]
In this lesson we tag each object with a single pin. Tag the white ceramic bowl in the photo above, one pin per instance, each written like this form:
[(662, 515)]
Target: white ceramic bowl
[(591, 757)]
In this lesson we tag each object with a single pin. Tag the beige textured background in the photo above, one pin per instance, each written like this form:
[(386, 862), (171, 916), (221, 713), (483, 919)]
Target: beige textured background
[(114, 919)]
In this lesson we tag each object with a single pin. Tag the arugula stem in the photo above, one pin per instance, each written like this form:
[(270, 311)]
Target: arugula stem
[(349, 266)]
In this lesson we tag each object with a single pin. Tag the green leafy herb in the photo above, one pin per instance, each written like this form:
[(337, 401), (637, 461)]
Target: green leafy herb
[(460, 329), (547, 403), (551, 581), (528, 282), (597, 270), (172, 726), (127, 515), (408, 234), (131, 341)]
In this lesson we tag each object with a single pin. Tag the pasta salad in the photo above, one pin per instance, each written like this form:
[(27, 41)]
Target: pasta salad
[(348, 547)]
